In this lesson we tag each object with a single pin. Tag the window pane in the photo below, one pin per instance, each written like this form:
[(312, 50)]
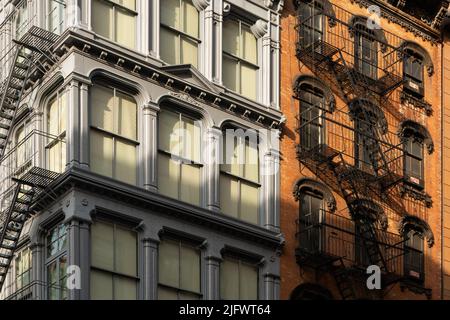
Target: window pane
[(167, 294), (125, 289), (230, 73), (249, 203), (126, 162), (188, 296), (249, 45), (229, 195), (191, 19), (248, 81), (57, 157), (102, 26), (62, 113), (192, 140), (102, 108), (125, 28), (127, 124), (170, 46), (190, 184), (101, 286), (102, 246), (101, 154), (130, 4), (170, 13), (248, 282), (189, 54), (231, 37), (169, 264), (126, 252), (169, 131), (190, 269), (229, 280), (53, 121), (168, 176), (251, 161)]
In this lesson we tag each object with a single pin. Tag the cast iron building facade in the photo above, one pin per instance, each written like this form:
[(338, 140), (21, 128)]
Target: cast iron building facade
[(96, 178), (361, 150)]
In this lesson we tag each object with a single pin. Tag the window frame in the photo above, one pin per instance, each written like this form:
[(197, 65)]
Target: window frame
[(115, 273), (182, 160), (241, 178), (361, 37), (49, 14), (53, 140), (410, 177), (239, 61), (21, 275), (182, 34), (418, 253), (56, 258), (20, 30), (113, 26), (310, 25), (410, 57), (321, 125), (182, 243), (240, 261), (311, 229), (115, 136)]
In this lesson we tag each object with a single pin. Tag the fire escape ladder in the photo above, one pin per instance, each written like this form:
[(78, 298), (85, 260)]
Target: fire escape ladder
[(343, 280), (31, 52), (26, 190)]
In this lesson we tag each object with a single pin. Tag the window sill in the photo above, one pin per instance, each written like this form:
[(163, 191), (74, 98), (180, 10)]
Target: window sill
[(419, 102)]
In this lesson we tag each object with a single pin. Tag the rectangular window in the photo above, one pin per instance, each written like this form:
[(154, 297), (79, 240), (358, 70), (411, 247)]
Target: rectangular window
[(311, 213), (365, 145), (238, 280), (23, 269), (179, 32), (56, 245), (179, 271), (239, 178), (414, 161), (22, 23), (311, 121), (414, 256), (312, 25), (413, 73), (240, 58), (113, 262), (366, 52), (179, 167), (55, 15), (113, 134), (56, 129), (118, 20)]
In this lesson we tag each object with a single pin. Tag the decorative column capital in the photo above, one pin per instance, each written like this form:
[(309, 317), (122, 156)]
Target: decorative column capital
[(201, 4), (260, 28)]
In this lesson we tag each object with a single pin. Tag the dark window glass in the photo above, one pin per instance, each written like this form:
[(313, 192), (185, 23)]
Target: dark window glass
[(413, 163), (414, 257), (311, 206), (311, 121), (413, 67), (312, 23), (366, 54)]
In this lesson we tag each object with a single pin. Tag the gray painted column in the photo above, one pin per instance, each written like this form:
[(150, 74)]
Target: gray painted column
[(150, 269), (212, 160), (212, 278), (206, 34), (154, 36), (217, 41), (150, 144), (84, 125), (73, 127), (37, 261), (78, 255), (271, 190), (266, 77)]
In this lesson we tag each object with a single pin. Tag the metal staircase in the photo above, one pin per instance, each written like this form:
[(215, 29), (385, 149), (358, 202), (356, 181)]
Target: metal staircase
[(30, 186), (32, 56), (343, 280)]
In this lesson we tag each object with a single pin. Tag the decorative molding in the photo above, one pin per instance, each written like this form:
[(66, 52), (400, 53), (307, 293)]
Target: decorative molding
[(409, 222), (407, 190), (371, 108), (259, 28), (410, 128), (184, 97), (414, 287), (201, 5), (226, 8), (407, 98), (415, 47), (425, 32), (369, 210), (315, 82), (315, 186)]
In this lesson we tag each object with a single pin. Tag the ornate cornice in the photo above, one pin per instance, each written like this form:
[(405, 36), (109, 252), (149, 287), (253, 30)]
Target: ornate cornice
[(407, 190), (416, 102), (427, 32)]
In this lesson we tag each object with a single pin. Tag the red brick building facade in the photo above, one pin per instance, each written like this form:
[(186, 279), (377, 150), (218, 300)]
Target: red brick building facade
[(361, 89)]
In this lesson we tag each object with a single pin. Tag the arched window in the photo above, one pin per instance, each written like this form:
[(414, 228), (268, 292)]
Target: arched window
[(366, 50), (113, 134), (239, 177), (179, 156), (180, 32), (312, 108), (312, 24), (414, 255), (413, 72), (56, 129), (311, 215)]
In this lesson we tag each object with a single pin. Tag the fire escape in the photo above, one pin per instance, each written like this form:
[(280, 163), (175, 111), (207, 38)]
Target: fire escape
[(32, 59), (327, 45)]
